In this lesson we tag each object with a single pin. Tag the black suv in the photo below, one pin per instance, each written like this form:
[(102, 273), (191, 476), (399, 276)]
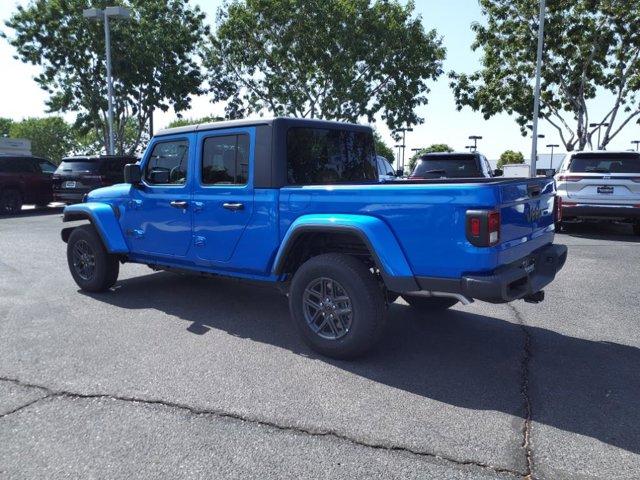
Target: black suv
[(24, 179), (77, 176)]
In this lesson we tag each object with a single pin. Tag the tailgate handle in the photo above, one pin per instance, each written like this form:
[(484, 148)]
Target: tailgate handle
[(534, 190)]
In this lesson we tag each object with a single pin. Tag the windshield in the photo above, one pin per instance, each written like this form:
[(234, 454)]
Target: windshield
[(606, 163), (450, 166), (78, 166)]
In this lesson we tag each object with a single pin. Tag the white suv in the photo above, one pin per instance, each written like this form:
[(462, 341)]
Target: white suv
[(600, 185)]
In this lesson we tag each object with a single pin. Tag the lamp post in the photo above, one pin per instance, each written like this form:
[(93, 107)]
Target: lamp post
[(637, 143), (98, 15), (599, 125), (475, 139), (399, 147), (404, 131), (470, 147), (536, 93), (552, 146)]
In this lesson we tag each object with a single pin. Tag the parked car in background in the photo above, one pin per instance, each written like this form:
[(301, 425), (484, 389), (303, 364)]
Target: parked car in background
[(77, 176), (297, 203), (453, 165), (600, 186), (385, 170), (24, 180)]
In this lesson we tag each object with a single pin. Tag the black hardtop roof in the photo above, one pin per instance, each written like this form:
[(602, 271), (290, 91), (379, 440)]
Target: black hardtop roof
[(287, 121)]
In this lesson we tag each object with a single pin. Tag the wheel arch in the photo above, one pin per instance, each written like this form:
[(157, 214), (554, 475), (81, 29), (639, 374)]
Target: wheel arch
[(358, 235), (103, 218)]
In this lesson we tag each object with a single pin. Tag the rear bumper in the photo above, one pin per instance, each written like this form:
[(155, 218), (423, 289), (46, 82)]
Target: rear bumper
[(510, 282), (68, 197), (586, 210)]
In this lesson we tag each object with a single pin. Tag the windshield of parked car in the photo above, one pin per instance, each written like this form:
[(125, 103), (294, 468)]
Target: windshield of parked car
[(78, 166), (320, 156), (605, 163), (448, 166)]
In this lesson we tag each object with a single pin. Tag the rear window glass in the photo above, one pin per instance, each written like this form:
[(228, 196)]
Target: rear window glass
[(613, 163), (450, 166), (317, 156), (68, 166)]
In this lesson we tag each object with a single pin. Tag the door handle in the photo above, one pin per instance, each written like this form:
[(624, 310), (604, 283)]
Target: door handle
[(233, 206), (181, 204)]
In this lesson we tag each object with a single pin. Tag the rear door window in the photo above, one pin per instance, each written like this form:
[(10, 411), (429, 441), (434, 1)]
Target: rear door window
[(225, 160), (46, 167), (605, 163), (318, 156)]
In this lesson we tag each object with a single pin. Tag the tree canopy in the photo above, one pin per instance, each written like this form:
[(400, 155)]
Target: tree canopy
[(436, 147), (51, 137), (155, 61), (510, 157), (5, 126), (329, 59), (183, 122), (590, 47)]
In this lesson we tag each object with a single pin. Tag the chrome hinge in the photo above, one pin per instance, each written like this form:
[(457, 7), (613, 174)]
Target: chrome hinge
[(199, 241)]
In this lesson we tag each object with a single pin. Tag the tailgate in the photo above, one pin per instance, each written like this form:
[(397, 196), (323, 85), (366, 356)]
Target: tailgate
[(527, 217)]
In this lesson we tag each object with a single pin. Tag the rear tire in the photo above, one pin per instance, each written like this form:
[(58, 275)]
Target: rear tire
[(92, 267), (337, 305), (429, 303), (10, 201)]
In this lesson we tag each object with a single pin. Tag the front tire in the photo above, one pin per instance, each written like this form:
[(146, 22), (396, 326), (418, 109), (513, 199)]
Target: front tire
[(337, 305), (92, 267), (429, 303), (10, 201)]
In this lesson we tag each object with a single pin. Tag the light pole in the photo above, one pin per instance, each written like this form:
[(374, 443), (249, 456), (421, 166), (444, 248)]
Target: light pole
[(536, 93), (552, 146), (637, 143), (98, 15), (404, 131), (470, 147), (475, 139), (599, 125), (400, 167)]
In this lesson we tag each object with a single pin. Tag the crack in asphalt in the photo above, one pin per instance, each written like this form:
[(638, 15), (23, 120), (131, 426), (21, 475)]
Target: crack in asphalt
[(51, 394), (524, 391)]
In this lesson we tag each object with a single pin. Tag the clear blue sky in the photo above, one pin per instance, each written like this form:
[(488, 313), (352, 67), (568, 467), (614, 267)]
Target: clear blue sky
[(21, 97)]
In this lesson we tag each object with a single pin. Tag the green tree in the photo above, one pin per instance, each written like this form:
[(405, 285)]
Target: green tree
[(155, 61), (183, 122), (435, 148), (590, 46), (332, 59), (51, 137), (510, 157), (382, 148), (5, 126)]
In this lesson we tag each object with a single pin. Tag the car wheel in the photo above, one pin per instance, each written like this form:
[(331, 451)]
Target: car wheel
[(92, 267), (429, 303), (10, 202), (337, 305)]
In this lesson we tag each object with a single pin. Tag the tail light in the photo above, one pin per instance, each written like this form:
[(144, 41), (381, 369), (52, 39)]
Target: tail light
[(570, 178), (557, 209), (483, 227)]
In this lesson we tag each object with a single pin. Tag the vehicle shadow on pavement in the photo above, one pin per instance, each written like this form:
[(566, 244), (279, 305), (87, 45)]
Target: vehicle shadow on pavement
[(460, 358), (618, 232)]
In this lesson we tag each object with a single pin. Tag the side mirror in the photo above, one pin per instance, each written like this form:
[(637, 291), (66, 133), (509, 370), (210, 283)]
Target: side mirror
[(498, 172), (132, 174), (399, 173)]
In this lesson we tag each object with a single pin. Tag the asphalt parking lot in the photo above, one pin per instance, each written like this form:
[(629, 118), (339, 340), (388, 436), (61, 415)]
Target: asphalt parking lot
[(173, 376)]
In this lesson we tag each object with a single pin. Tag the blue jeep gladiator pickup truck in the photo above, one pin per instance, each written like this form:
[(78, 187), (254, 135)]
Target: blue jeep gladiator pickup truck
[(297, 203)]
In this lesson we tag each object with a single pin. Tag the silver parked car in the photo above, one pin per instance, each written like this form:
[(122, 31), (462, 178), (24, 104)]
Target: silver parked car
[(600, 185)]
